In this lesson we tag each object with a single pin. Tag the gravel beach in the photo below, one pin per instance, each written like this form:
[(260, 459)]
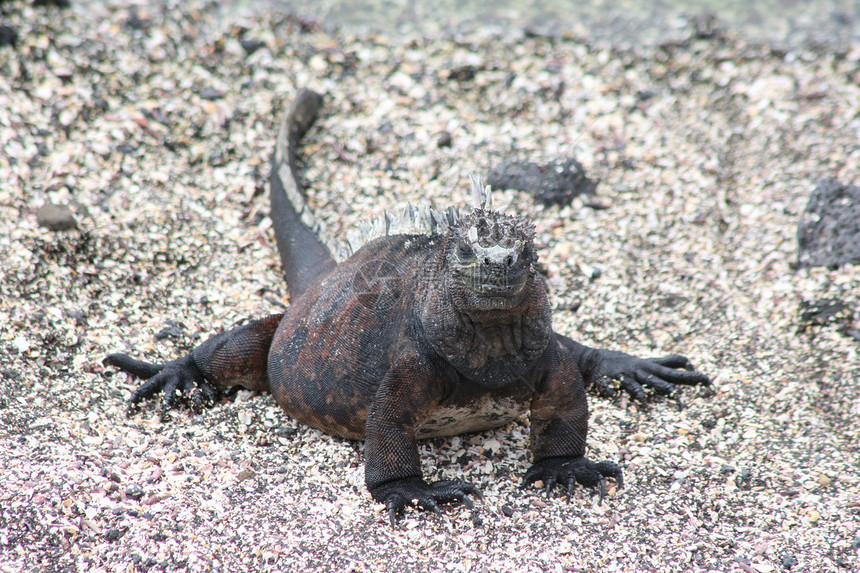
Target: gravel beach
[(147, 132)]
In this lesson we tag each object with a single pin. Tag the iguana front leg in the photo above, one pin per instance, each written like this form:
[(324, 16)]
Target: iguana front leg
[(599, 367), (559, 425), (410, 391), (234, 358)]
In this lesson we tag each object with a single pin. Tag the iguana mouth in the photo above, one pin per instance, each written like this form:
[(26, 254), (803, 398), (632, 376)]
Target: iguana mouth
[(507, 284), (494, 281)]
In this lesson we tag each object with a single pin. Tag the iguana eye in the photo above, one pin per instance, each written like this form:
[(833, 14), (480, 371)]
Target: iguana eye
[(464, 250), (529, 255)]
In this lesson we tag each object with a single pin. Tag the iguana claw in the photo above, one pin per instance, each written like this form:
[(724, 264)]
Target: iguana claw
[(570, 471), (178, 375), (416, 492)]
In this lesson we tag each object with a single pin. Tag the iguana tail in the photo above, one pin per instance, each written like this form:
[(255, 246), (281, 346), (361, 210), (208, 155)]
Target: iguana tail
[(307, 250)]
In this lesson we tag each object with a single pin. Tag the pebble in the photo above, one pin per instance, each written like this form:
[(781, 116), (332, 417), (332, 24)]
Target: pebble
[(246, 474), (553, 183), (250, 45), (211, 94), (8, 35), (828, 232), (134, 491), (56, 217), (444, 139)]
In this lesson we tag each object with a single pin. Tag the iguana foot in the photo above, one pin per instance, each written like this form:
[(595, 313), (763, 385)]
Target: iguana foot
[(568, 472), (177, 375), (397, 494), (663, 374)]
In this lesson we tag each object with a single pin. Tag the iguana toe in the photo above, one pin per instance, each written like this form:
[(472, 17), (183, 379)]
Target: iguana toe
[(568, 472)]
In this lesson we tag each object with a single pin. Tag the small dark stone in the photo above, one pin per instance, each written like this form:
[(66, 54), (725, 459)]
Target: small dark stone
[(463, 73), (217, 158), (476, 519), (134, 491), (507, 510), (172, 330), (555, 183), (135, 22), (444, 139), (125, 149), (211, 94), (829, 231), (251, 46), (113, 534), (57, 3), (56, 217), (8, 35), (285, 432), (823, 312), (788, 561), (10, 374), (727, 470)]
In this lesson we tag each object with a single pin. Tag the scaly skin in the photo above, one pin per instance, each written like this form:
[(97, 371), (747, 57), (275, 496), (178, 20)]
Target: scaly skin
[(414, 335)]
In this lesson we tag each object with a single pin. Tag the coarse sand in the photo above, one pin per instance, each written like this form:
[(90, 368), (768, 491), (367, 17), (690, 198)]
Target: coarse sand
[(154, 126)]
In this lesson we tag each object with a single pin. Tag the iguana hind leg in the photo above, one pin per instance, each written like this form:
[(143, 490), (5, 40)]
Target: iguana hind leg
[(238, 357)]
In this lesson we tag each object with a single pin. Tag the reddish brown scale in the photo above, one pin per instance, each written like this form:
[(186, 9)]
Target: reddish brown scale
[(336, 344)]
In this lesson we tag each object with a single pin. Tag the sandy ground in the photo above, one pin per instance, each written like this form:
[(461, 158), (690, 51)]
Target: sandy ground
[(632, 24), (154, 126)]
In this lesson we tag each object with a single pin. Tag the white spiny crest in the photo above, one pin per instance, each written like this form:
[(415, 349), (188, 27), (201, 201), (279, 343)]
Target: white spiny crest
[(411, 220), (482, 196)]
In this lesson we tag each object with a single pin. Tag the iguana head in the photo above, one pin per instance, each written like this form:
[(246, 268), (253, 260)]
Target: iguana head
[(490, 253)]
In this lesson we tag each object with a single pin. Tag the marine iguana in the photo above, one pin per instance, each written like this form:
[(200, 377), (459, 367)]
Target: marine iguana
[(431, 324)]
